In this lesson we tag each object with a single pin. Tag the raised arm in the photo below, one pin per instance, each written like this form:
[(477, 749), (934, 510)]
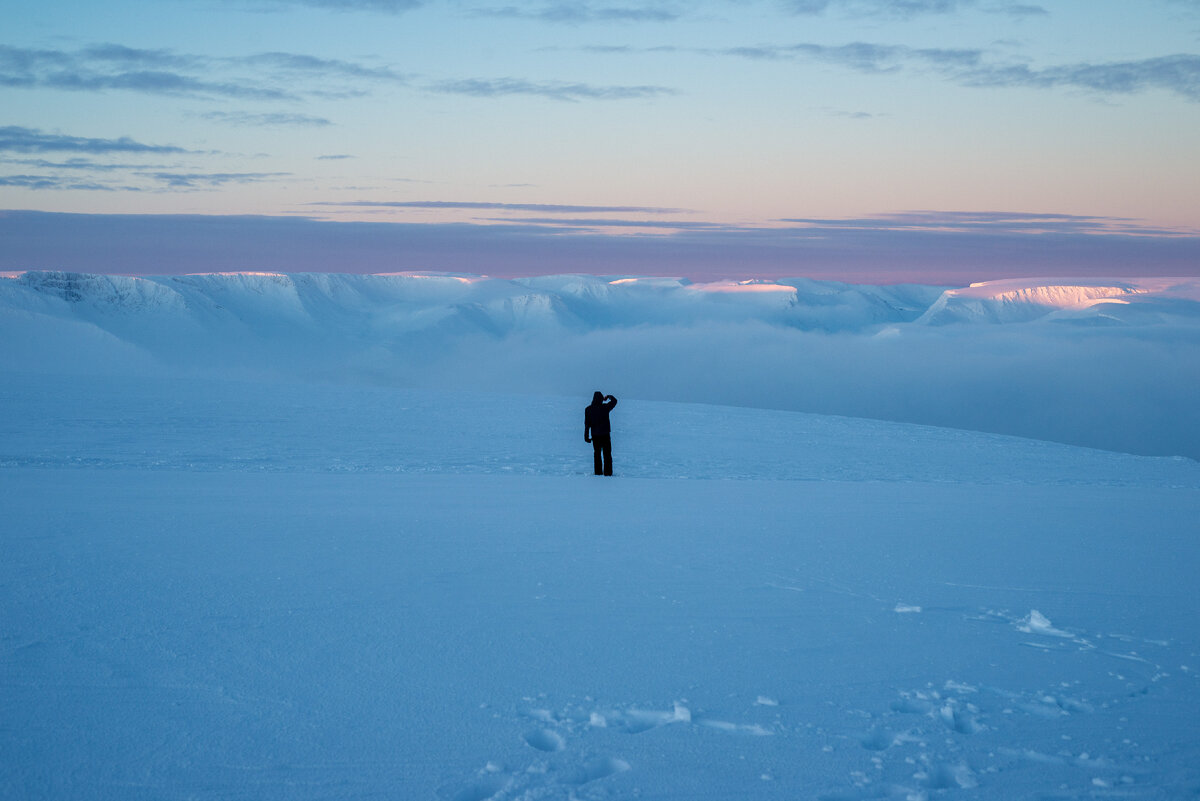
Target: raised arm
[(611, 403)]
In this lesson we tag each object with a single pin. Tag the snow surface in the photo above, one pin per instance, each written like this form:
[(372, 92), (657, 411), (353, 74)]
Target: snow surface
[(219, 583), (265, 590)]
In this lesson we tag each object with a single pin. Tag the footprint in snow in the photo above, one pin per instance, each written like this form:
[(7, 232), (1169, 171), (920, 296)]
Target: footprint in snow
[(557, 770), (596, 769), (483, 788), (539, 780), (545, 740)]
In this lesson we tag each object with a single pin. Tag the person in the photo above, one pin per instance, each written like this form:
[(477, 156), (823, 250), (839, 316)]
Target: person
[(598, 431)]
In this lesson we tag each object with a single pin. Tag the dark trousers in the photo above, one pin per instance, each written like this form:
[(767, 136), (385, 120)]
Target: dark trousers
[(602, 451)]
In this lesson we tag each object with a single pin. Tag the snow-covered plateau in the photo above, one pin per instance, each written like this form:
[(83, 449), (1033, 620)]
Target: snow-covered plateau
[(337, 537)]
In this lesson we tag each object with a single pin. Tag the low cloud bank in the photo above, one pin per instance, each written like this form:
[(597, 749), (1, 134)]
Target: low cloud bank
[(1099, 389), (1119, 373)]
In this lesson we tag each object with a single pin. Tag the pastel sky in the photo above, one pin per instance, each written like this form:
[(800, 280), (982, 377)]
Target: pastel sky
[(860, 139)]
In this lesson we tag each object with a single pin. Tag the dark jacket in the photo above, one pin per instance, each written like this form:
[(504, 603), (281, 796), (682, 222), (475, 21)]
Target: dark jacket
[(595, 418)]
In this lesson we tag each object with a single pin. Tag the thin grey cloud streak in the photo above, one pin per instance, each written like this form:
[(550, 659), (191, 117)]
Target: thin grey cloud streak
[(196, 180), (268, 120), (89, 165), (544, 208), (851, 115), (274, 76), (262, 76), (863, 56), (40, 182), (158, 180), (584, 224), (1178, 73), (577, 13), (304, 64), (16, 139), (379, 6), (114, 67), (553, 90), (860, 56), (105, 176), (993, 221), (907, 9), (391, 6)]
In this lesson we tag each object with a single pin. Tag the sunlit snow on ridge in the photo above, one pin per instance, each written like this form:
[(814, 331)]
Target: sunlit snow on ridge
[(1016, 300), (264, 274), (744, 286), (462, 278)]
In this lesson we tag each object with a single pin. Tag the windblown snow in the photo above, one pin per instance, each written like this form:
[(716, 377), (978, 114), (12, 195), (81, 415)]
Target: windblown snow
[(312, 537)]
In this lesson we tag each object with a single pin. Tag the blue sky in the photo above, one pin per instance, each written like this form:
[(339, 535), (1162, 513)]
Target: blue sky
[(863, 139)]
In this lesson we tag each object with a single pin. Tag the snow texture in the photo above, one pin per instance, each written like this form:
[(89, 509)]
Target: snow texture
[(223, 583)]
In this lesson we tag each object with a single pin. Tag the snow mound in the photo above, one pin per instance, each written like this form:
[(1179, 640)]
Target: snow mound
[(1037, 623)]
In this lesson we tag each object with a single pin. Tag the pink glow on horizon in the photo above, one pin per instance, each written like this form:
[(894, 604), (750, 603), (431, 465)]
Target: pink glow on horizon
[(261, 273), (656, 280), (462, 279), (751, 285)]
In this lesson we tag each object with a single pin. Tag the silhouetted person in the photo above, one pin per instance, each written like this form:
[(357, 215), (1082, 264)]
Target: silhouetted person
[(598, 431)]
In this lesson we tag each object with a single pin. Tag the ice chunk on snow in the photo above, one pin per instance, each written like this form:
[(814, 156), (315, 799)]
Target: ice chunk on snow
[(737, 728), (1037, 623)]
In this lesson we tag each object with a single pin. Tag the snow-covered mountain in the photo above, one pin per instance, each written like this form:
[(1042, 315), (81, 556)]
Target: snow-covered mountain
[(389, 307), (1142, 301), (1109, 363), (395, 305)]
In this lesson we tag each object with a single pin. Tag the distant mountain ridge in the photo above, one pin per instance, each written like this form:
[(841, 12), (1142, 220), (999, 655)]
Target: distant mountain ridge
[(398, 305), (496, 306)]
